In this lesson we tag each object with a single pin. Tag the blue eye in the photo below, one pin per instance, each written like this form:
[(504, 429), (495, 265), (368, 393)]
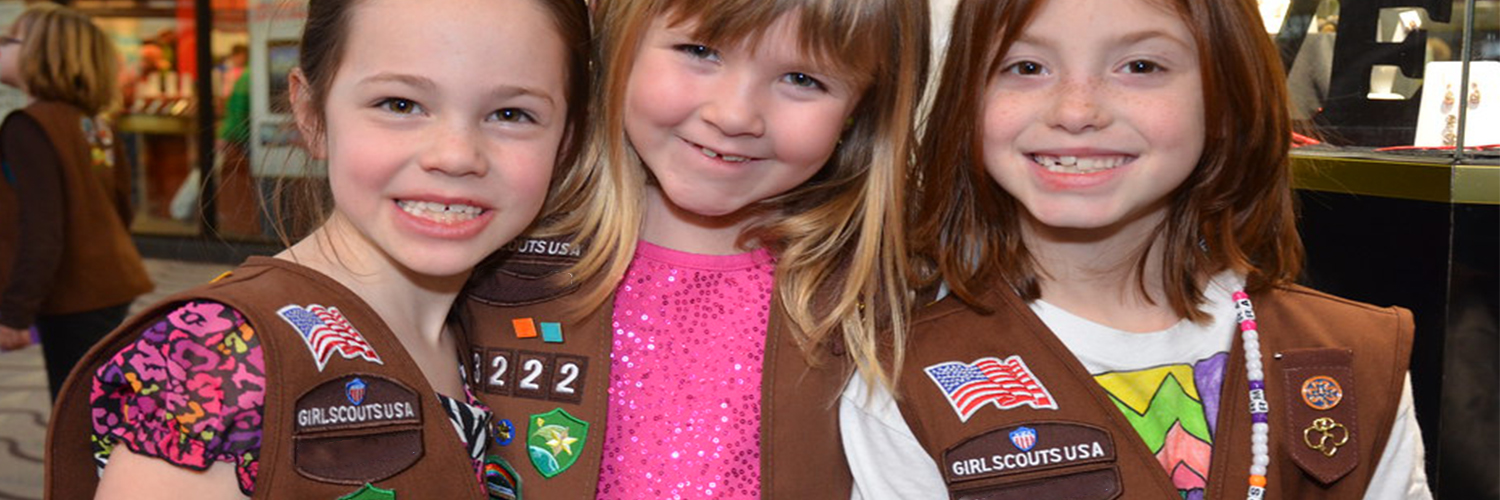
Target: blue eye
[(1142, 66), (804, 81), (399, 106), (513, 115), (697, 51)]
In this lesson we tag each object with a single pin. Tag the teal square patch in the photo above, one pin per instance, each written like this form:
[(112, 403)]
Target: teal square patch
[(551, 332)]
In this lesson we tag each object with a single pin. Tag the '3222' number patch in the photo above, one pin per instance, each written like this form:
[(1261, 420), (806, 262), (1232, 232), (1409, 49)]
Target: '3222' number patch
[(530, 374)]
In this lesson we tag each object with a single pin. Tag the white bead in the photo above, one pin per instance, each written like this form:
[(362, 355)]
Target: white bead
[(1260, 456)]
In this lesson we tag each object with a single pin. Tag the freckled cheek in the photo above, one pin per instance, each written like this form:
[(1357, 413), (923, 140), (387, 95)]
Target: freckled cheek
[(999, 127)]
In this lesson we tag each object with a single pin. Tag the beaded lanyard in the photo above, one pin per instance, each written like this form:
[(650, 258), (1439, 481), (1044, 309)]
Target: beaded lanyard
[(1260, 428)]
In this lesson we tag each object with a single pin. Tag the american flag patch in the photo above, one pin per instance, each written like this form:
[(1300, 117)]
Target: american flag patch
[(1006, 383), (326, 333)]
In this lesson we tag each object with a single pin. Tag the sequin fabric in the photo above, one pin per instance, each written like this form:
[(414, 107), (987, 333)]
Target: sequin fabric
[(685, 376)]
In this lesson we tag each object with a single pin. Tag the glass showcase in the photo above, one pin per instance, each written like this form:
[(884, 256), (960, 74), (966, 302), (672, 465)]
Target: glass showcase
[(1398, 171)]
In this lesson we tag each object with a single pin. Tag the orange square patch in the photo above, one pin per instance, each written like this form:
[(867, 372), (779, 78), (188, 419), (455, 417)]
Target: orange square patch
[(525, 328)]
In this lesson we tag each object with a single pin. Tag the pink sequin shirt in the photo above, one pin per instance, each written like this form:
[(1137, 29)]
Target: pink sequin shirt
[(685, 372)]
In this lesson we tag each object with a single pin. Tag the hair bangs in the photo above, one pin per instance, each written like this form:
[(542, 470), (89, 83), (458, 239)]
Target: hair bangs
[(844, 36)]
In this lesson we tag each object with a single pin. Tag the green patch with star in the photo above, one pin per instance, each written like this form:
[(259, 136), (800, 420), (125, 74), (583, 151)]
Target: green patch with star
[(554, 440)]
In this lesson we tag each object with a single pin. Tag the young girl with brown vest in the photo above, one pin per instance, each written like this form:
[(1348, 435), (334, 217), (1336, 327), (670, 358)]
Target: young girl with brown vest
[(1107, 189), (331, 370), (742, 207), (67, 264)]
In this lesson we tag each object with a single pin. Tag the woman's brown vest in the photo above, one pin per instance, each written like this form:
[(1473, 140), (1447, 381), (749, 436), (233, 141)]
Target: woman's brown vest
[(355, 412), (522, 375), (1049, 430), (100, 266)]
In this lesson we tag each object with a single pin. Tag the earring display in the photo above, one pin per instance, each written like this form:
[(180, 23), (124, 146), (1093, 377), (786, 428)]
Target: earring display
[(1450, 131), (1447, 96)]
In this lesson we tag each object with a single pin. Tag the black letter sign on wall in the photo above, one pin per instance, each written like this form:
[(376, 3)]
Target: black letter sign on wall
[(1350, 115)]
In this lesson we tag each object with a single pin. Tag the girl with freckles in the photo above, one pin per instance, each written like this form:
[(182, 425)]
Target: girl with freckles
[(1111, 217)]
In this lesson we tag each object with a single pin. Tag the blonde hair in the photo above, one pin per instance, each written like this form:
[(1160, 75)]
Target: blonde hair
[(65, 57), (839, 241)]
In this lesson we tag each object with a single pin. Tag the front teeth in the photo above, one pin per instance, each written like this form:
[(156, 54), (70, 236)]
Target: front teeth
[(729, 158), (440, 212), (1076, 165)]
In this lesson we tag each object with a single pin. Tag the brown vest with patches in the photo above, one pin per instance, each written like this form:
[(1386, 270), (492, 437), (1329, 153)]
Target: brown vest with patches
[(1081, 447), (801, 455), (357, 417), (100, 266)]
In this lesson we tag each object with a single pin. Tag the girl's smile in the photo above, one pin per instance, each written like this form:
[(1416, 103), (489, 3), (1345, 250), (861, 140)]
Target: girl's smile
[(720, 155), (722, 128), (441, 220), (1096, 114), (438, 161)]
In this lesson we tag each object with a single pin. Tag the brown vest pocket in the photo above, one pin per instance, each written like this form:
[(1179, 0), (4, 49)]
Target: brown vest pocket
[(356, 429), (365, 457), (1098, 483), (1319, 425)]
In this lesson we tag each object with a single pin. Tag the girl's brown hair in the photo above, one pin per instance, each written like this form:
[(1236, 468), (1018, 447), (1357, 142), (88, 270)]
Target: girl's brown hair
[(1235, 211), (65, 57), (321, 55), (837, 237)]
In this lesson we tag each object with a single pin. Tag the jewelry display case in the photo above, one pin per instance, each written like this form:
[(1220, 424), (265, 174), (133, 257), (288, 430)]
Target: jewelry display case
[(1397, 104)]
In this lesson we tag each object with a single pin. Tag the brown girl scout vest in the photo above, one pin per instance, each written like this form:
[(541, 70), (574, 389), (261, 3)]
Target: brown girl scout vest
[(348, 414), (100, 266), (535, 365), (1042, 427)]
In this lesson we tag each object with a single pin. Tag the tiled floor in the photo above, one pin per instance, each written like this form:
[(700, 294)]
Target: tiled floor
[(24, 405)]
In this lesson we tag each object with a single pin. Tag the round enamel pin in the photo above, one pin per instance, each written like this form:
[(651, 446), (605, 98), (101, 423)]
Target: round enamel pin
[(1321, 392)]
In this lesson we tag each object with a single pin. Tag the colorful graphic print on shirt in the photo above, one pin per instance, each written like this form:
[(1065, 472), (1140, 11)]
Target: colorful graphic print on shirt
[(191, 391), (1174, 409)]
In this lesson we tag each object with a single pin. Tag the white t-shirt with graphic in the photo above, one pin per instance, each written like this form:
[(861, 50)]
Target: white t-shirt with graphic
[(1167, 383)]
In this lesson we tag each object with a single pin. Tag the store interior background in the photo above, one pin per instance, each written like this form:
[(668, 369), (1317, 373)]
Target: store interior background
[(1372, 233)]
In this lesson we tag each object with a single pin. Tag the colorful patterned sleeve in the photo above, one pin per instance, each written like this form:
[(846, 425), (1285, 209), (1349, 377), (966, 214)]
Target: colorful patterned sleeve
[(190, 390)]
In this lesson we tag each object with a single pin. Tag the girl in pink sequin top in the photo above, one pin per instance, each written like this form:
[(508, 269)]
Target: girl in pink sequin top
[(746, 179)]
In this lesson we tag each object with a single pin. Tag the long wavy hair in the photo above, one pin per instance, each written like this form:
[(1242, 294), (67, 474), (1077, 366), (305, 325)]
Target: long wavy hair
[(838, 238)]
